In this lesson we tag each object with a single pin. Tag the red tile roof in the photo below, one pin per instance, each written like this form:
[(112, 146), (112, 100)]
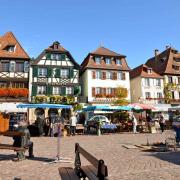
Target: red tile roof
[(58, 49), (142, 72), (9, 39), (164, 61), (89, 61)]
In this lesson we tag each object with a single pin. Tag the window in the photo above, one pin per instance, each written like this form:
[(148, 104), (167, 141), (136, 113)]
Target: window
[(98, 60), (147, 82), (158, 82), (26, 66), (119, 75), (98, 74), (12, 66), (118, 62), (149, 71), (11, 48), (98, 90), (148, 95), (172, 94), (178, 80), (175, 67), (108, 91), (108, 60), (42, 72), (5, 66), (108, 75), (170, 79), (3, 84), (20, 67), (69, 90), (55, 56), (159, 95), (19, 85), (56, 90), (64, 73), (41, 90)]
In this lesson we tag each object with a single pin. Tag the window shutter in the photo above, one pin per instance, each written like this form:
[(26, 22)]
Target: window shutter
[(71, 73), (103, 75), (34, 90), (63, 90), (49, 73), (93, 75), (35, 71), (49, 90), (48, 56), (93, 91), (123, 76), (57, 73), (115, 75), (77, 90)]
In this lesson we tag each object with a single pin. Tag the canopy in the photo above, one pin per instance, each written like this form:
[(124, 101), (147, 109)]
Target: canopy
[(11, 108), (58, 106), (107, 108), (139, 106)]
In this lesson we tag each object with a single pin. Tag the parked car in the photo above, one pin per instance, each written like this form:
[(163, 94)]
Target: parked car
[(93, 121)]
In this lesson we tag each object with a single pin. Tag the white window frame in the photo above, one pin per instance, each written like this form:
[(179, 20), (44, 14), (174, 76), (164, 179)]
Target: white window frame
[(26, 66), (42, 72), (159, 95), (97, 90), (98, 60), (119, 75), (108, 91), (56, 90), (69, 90), (41, 90), (147, 82), (12, 66), (108, 61), (64, 73), (98, 74), (149, 94), (119, 62), (108, 75), (158, 82)]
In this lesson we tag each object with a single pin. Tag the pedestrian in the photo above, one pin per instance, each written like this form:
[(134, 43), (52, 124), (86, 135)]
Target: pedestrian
[(73, 121), (149, 120), (23, 141), (134, 121), (40, 124), (162, 122)]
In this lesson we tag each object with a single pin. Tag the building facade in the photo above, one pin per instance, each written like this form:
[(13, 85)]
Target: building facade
[(147, 86), (102, 71), (167, 64), (14, 75), (54, 78)]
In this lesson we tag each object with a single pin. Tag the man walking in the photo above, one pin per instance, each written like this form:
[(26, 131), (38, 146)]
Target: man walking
[(73, 121)]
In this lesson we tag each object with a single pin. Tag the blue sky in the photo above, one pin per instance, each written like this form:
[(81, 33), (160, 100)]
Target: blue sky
[(130, 27)]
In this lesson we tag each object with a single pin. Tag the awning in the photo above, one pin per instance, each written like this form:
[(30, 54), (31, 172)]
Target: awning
[(11, 108), (58, 106), (161, 107), (174, 108)]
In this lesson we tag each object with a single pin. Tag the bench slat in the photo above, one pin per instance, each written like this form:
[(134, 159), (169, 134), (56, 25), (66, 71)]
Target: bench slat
[(12, 133), (67, 173), (90, 172), (11, 147)]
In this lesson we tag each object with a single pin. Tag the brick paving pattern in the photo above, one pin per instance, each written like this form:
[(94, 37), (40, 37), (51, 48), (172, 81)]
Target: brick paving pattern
[(123, 164)]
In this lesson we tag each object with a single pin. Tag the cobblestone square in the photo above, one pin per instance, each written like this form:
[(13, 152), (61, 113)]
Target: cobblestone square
[(123, 164)]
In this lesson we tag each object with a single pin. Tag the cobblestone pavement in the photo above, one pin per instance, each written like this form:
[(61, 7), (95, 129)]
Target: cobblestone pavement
[(123, 164)]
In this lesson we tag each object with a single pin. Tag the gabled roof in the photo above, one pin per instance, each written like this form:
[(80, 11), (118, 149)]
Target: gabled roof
[(7, 40), (164, 61), (55, 48), (141, 71), (89, 62), (105, 52)]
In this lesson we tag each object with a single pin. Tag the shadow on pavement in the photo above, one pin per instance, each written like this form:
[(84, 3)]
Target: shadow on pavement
[(171, 157)]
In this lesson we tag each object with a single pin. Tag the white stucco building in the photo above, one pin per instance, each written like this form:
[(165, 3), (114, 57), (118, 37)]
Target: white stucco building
[(102, 71)]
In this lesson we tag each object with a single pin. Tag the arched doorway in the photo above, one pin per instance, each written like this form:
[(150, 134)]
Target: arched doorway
[(66, 113), (39, 112)]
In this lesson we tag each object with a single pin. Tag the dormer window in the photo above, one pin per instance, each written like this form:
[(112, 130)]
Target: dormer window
[(98, 60), (118, 62), (108, 60), (55, 56), (11, 49), (149, 71)]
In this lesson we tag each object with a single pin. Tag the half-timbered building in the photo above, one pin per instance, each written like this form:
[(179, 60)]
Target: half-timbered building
[(54, 77), (14, 73)]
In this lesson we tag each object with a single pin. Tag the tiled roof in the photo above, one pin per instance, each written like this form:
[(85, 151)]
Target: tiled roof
[(59, 47), (142, 72), (164, 61), (9, 39), (89, 61), (105, 52)]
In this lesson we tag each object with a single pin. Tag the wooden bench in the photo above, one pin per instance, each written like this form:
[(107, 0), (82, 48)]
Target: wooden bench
[(79, 128), (96, 171)]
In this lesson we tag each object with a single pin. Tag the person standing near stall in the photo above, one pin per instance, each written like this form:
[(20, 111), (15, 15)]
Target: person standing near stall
[(162, 122), (73, 121)]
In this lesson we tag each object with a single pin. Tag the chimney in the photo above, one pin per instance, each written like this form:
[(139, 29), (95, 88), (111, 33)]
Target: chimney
[(156, 52)]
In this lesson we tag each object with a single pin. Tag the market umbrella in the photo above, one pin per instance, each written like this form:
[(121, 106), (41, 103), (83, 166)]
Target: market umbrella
[(139, 106)]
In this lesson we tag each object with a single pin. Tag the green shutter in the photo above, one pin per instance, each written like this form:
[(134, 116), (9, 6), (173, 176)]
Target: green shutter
[(49, 90), (63, 57), (63, 90), (35, 71), (71, 73), (57, 75), (48, 56), (77, 90), (34, 90), (49, 73)]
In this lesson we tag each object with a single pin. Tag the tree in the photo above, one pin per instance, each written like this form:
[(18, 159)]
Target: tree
[(120, 96)]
